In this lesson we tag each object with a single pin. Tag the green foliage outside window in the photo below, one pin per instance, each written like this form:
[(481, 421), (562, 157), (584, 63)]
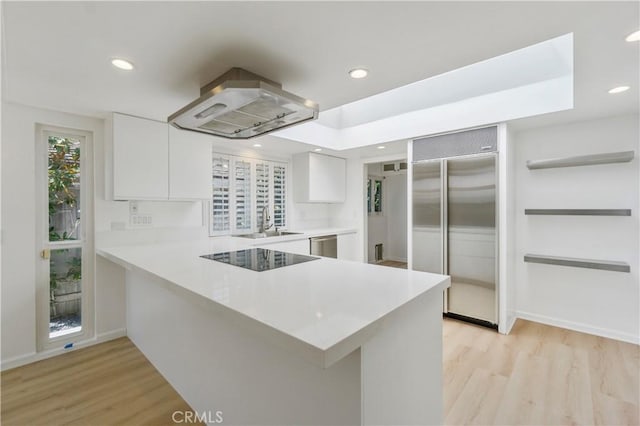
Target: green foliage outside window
[(63, 173)]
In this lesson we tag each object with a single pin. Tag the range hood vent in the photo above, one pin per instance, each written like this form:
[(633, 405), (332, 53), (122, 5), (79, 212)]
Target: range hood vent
[(240, 105)]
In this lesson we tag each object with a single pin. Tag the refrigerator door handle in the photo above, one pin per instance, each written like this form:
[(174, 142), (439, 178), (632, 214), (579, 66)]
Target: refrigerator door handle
[(444, 220), (443, 230)]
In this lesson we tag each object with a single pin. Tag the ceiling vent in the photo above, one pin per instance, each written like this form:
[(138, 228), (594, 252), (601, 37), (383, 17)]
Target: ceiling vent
[(240, 105)]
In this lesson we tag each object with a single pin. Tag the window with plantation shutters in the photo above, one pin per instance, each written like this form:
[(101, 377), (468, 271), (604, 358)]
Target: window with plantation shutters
[(263, 188), (279, 195), (242, 192), (220, 218), (242, 189)]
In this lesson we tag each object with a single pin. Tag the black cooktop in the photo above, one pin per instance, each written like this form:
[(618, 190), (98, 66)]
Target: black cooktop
[(258, 259)]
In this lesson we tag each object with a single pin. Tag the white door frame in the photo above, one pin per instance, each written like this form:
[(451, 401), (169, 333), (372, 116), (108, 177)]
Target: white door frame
[(43, 342), (363, 191)]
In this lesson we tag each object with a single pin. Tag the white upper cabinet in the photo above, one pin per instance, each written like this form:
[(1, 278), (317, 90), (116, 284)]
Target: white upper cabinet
[(318, 178), (153, 161), (140, 159), (189, 165)]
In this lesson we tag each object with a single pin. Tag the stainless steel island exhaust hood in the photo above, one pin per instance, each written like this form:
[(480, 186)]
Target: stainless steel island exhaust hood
[(241, 105)]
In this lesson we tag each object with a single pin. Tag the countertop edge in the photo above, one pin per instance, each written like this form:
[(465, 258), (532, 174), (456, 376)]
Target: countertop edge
[(343, 348), (256, 327), (301, 236), (322, 357)]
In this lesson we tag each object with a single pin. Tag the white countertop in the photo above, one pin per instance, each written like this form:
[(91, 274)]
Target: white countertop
[(327, 307), (301, 235)]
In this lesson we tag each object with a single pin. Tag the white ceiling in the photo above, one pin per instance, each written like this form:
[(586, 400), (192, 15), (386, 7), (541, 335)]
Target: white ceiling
[(56, 55)]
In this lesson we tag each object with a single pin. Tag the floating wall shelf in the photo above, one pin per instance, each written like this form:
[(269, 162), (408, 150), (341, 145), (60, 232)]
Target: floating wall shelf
[(579, 212), (606, 265), (582, 160)]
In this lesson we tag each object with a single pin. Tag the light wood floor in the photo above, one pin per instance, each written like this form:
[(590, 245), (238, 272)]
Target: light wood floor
[(538, 375), (393, 264), (106, 384)]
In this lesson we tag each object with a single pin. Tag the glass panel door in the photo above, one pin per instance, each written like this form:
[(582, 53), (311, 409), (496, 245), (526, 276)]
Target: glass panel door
[(65, 240), (65, 281)]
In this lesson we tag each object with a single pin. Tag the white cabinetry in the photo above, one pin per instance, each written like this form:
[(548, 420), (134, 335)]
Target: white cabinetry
[(297, 246), (140, 159), (318, 178), (348, 247), (153, 161), (189, 165)]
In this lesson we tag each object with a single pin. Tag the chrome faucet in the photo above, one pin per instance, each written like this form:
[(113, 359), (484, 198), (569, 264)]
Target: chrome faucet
[(264, 226)]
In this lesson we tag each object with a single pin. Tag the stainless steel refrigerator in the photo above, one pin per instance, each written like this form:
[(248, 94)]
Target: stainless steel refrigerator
[(454, 197)]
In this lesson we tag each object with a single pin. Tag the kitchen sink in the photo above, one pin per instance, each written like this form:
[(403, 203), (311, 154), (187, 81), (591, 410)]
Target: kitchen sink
[(268, 234)]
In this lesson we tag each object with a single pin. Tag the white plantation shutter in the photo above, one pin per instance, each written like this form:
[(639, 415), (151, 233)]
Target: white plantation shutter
[(242, 186), (220, 201), (263, 184), (280, 195)]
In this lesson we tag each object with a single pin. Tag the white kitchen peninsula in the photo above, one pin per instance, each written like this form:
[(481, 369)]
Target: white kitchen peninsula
[(321, 342)]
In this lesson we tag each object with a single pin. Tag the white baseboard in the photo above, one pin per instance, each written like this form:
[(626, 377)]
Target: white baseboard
[(38, 356), (511, 322), (506, 328), (581, 327), (111, 335)]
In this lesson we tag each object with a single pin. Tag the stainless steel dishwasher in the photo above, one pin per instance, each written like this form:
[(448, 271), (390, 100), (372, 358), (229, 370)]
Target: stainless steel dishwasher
[(324, 245)]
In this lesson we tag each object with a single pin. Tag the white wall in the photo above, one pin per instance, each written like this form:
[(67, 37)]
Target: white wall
[(599, 302), (19, 214), (351, 213), (396, 212), (376, 234), (507, 258), (309, 215), (376, 223)]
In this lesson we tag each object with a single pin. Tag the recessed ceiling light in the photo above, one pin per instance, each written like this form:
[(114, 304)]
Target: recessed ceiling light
[(318, 149), (257, 145), (619, 89), (633, 36), (358, 73), (381, 147), (122, 64)]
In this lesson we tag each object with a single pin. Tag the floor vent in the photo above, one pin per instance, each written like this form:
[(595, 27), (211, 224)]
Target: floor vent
[(378, 252)]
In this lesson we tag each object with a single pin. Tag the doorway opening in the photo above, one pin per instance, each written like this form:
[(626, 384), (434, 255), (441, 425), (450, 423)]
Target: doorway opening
[(386, 195)]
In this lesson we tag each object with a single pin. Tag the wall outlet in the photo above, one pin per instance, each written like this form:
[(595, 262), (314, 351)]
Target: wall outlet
[(141, 220), (133, 208)]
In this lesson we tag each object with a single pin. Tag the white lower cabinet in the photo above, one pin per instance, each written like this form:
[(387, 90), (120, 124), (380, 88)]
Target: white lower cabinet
[(348, 247), (297, 247)]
